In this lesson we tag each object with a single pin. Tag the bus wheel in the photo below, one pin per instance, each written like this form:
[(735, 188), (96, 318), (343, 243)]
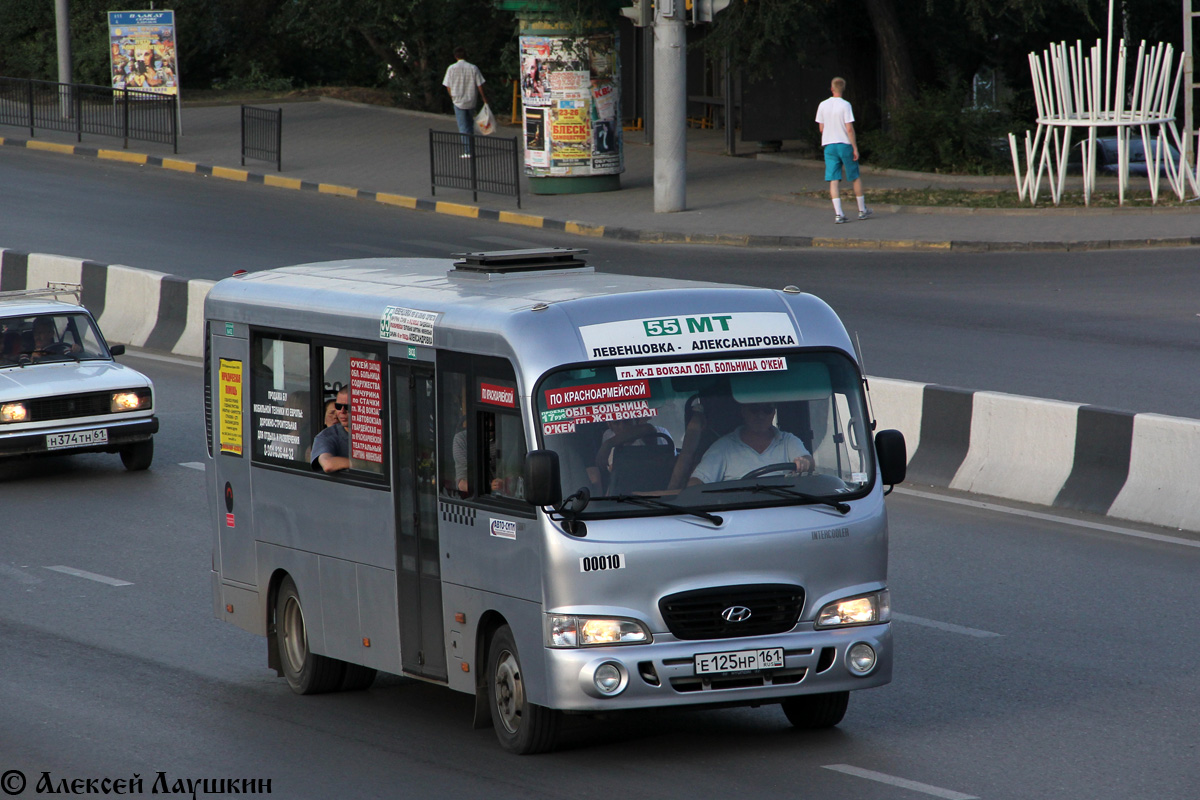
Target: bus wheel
[(138, 456), (306, 672), (521, 727), (813, 711), (357, 678)]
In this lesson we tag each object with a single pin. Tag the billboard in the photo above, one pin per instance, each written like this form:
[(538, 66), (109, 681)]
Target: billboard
[(142, 51)]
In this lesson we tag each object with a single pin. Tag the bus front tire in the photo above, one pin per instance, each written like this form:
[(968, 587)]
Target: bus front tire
[(816, 711), (306, 672), (522, 727)]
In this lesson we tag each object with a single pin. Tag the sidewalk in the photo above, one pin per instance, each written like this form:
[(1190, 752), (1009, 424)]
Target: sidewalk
[(362, 150)]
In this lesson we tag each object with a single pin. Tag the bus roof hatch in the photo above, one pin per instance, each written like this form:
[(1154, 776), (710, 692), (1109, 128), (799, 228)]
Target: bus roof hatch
[(532, 260)]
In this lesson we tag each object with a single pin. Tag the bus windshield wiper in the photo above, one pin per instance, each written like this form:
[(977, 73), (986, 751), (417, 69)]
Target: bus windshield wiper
[(653, 502), (785, 491)]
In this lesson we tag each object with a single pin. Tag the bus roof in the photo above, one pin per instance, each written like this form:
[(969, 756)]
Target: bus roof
[(532, 316)]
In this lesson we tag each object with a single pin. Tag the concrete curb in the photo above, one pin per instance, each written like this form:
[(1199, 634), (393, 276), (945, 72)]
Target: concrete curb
[(1136, 467), (588, 229)]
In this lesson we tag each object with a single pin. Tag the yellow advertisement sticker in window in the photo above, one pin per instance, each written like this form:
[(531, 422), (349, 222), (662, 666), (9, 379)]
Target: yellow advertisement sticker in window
[(230, 407)]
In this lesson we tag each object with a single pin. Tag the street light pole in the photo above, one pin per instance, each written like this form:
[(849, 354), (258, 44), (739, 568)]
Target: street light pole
[(670, 108), (62, 15)]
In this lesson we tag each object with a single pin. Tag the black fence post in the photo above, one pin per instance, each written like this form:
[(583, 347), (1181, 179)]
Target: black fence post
[(77, 106), (31, 117), (432, 165), (126, 115)]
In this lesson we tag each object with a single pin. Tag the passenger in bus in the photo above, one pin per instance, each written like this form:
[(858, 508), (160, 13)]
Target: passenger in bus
[(331, 448), (622, 433), (329, 418), (753, 444)]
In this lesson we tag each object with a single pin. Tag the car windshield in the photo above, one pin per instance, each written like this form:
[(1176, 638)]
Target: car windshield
[(45, 338), (705, 435)]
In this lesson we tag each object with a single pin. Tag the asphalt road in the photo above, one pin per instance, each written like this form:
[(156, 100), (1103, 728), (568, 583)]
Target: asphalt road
[(1117, 329), (1035, 658)]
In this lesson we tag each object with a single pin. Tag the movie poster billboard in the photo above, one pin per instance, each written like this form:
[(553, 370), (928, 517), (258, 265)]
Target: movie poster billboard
[(142, 51), (570, 96)]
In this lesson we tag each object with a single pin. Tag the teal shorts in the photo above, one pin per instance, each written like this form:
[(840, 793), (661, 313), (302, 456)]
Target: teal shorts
[(837, 156)]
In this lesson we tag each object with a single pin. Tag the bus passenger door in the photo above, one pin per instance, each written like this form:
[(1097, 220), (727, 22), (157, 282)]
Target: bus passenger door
[(418, 565), (229, 353)]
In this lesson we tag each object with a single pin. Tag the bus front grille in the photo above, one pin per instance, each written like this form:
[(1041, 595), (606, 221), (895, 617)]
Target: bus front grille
[(725, 612)]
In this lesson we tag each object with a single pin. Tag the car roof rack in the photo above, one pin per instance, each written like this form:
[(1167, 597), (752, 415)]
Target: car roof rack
[(532, 260), (53, 289)]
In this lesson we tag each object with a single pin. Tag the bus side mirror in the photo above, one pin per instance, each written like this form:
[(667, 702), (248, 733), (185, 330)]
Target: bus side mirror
[(892, 455), (543, 486)]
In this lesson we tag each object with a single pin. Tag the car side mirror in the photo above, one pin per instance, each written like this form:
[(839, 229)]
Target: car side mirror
[(116, 350), (543, 486), (892, 455)]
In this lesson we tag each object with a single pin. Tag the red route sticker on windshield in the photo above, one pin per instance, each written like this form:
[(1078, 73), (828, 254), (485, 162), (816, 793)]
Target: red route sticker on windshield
[(597, 393)]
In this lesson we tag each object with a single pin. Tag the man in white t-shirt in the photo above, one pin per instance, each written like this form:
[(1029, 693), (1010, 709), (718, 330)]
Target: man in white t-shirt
[(753, 444), (836, 120), (464, 81)]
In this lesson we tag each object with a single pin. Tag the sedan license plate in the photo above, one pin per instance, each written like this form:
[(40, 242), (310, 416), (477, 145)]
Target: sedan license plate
[(739, 661), (62, 441)]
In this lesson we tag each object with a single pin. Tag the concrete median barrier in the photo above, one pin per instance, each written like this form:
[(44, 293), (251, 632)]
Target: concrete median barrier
[(1137, 467)]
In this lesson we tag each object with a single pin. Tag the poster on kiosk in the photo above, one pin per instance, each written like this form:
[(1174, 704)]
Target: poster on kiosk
[(571, 99)]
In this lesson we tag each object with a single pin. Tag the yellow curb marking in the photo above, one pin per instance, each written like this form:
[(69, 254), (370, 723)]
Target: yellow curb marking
[(178, 166), (396, 200), (50, 146), (331, 188), (583, 229), (528, 220), (120, 155), (282, 182), (457, 210), (230, 174)]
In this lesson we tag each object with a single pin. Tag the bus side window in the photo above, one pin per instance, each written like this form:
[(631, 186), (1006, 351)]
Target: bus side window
[(456, 473), (504, 442), (281, 410)]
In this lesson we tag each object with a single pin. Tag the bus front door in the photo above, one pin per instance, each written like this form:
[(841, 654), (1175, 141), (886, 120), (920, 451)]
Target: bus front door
[(418, 568)]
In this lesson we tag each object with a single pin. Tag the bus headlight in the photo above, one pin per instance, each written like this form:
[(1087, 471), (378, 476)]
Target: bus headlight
[(572, 631), (13, 412), (867, 609)]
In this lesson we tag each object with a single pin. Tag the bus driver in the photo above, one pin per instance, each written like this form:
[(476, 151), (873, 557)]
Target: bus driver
[(753, 444)]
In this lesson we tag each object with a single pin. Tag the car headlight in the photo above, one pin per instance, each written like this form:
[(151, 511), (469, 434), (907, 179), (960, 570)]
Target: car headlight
[(13, 412), (572, 631), (867, 609), (130, 400)]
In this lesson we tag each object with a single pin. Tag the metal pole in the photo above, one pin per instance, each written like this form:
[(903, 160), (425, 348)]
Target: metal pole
[(1189, 88), (670, 112), (62, 18)]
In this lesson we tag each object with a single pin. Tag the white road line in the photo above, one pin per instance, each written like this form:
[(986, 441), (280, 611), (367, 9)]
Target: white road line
[(18, 575), (193, 465), (902, 783), (91, 576), (944, 626), (1079, 523)]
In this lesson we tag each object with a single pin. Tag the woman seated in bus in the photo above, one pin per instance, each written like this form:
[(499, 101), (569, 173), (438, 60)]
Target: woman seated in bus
[(331, 448), (753, 444)]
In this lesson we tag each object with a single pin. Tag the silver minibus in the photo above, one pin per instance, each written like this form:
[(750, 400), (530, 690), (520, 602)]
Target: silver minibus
[(557, 490)]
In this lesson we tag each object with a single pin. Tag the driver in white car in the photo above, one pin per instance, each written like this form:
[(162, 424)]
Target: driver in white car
[(754, 444)]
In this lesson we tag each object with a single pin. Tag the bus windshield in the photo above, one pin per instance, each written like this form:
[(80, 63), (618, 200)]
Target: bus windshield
[(648, 438)]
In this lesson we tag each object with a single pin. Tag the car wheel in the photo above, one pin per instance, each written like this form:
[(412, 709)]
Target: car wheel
[(306, 672), (815, 711), (138, 456), (521, 727)]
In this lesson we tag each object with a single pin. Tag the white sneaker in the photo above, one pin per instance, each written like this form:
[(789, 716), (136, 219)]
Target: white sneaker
[(839, 219), (866, 213)]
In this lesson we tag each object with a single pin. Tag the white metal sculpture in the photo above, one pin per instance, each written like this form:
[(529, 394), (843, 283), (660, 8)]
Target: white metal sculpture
[(1077, 90)]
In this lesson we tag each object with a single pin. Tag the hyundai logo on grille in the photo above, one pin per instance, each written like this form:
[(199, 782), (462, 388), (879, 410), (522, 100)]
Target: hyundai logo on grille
[(736, 614)]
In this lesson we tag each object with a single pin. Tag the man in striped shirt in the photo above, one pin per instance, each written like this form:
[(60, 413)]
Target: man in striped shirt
[(463, 81)]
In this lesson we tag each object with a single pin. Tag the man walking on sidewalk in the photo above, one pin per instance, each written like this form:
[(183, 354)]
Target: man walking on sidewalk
[(463, 81), (836, 120)]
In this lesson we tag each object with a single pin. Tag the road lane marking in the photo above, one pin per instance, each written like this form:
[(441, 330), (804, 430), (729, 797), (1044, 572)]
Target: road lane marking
[(19, 575), (1079, 523), (193, 465), (91, 576), (945, 626), (901, 783)]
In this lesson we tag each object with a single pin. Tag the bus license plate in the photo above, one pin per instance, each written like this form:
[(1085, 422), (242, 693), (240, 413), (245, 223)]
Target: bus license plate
[(739, 661), (61, 441)]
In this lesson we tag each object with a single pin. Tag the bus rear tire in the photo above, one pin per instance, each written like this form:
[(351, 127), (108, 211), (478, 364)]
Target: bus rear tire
[(357, 678), (137, 456), (521, 727), (306, 672), (816, 711)]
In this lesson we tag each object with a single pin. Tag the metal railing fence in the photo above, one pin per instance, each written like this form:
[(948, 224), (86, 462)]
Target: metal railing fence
[(262, 135), (476, 163), (79, 108)]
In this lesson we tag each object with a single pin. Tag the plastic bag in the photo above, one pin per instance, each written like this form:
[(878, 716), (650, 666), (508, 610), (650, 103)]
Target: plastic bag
[(485, 121)]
